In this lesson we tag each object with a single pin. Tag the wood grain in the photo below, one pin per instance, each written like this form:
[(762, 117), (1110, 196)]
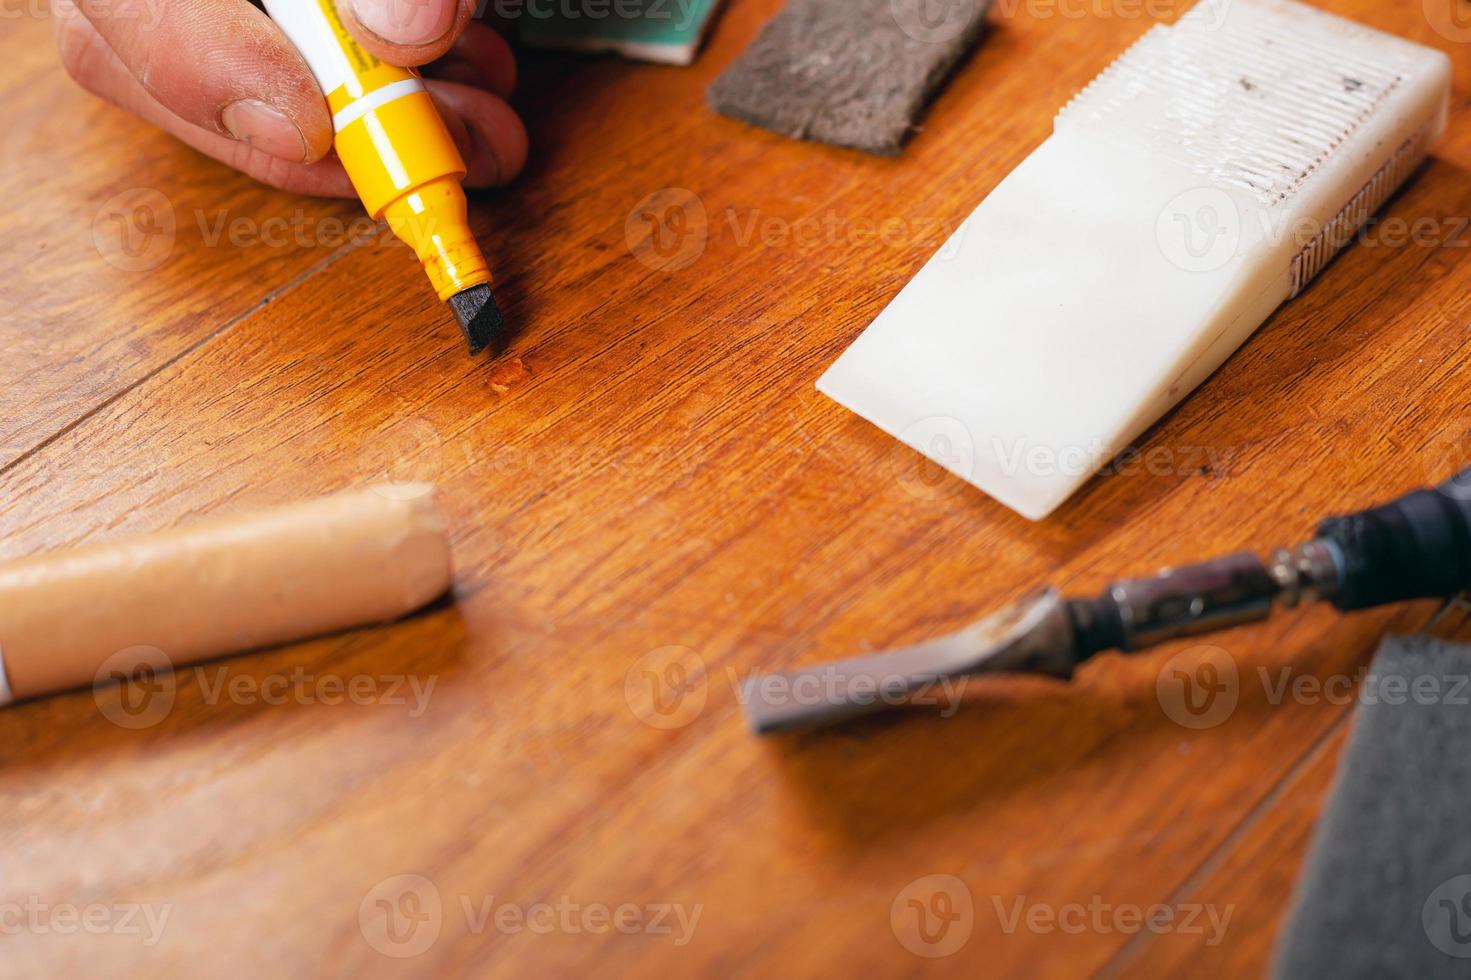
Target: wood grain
[(1254, 877), (124, 249), (646, 484)]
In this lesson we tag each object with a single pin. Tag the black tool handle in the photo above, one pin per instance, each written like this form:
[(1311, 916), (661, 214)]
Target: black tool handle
[(1418, 547)]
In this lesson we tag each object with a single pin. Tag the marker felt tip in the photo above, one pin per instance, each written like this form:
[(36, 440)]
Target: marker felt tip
[(400, 157)]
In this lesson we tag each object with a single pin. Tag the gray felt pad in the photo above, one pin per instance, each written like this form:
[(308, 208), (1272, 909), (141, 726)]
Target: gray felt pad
[(851, 72), (1386, 891)]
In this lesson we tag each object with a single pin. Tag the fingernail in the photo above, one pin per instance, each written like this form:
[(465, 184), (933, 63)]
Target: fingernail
[(405, 21), (264, 128)]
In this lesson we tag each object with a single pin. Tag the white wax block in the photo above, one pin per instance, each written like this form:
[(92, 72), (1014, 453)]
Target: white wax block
[(1200, 181)]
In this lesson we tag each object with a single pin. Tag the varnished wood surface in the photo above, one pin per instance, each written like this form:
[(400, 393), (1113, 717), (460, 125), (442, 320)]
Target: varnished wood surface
[(646, 487)]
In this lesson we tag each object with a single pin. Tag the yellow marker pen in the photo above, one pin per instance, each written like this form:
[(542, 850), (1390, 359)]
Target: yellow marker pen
[(400, 156)]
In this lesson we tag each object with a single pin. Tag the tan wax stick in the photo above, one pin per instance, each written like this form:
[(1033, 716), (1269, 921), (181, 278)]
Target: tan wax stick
[(221, 586)]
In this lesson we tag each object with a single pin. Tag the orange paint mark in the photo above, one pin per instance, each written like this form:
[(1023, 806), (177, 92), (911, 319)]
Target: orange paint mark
[(506, 375)]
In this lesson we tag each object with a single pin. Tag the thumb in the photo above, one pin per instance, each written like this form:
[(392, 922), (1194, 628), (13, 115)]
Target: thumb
[(407, 32), (221, 65)]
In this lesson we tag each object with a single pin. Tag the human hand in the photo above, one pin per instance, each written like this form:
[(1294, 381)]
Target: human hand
[(220, 76)]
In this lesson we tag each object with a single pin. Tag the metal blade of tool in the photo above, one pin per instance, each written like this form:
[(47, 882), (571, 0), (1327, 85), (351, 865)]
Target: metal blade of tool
[(1416, 547)]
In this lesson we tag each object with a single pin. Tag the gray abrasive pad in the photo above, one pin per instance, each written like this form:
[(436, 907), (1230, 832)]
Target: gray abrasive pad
[(850, 72), (1387, 887)]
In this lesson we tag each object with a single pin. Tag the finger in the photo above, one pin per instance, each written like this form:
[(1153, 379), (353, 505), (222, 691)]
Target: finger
[(97, 68), (407, 32), (479, 57), (497, 145), (488, 132), (219, 65)]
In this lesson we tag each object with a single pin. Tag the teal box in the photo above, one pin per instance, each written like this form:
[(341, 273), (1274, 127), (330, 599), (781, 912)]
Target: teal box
[(666, 31)]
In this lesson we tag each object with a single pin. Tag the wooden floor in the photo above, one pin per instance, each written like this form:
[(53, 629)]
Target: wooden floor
[(649, 502)]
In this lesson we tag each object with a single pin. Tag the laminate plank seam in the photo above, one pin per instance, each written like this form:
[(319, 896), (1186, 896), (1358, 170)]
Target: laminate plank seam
[(1135, 946), (76, 423), (127, 389)]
